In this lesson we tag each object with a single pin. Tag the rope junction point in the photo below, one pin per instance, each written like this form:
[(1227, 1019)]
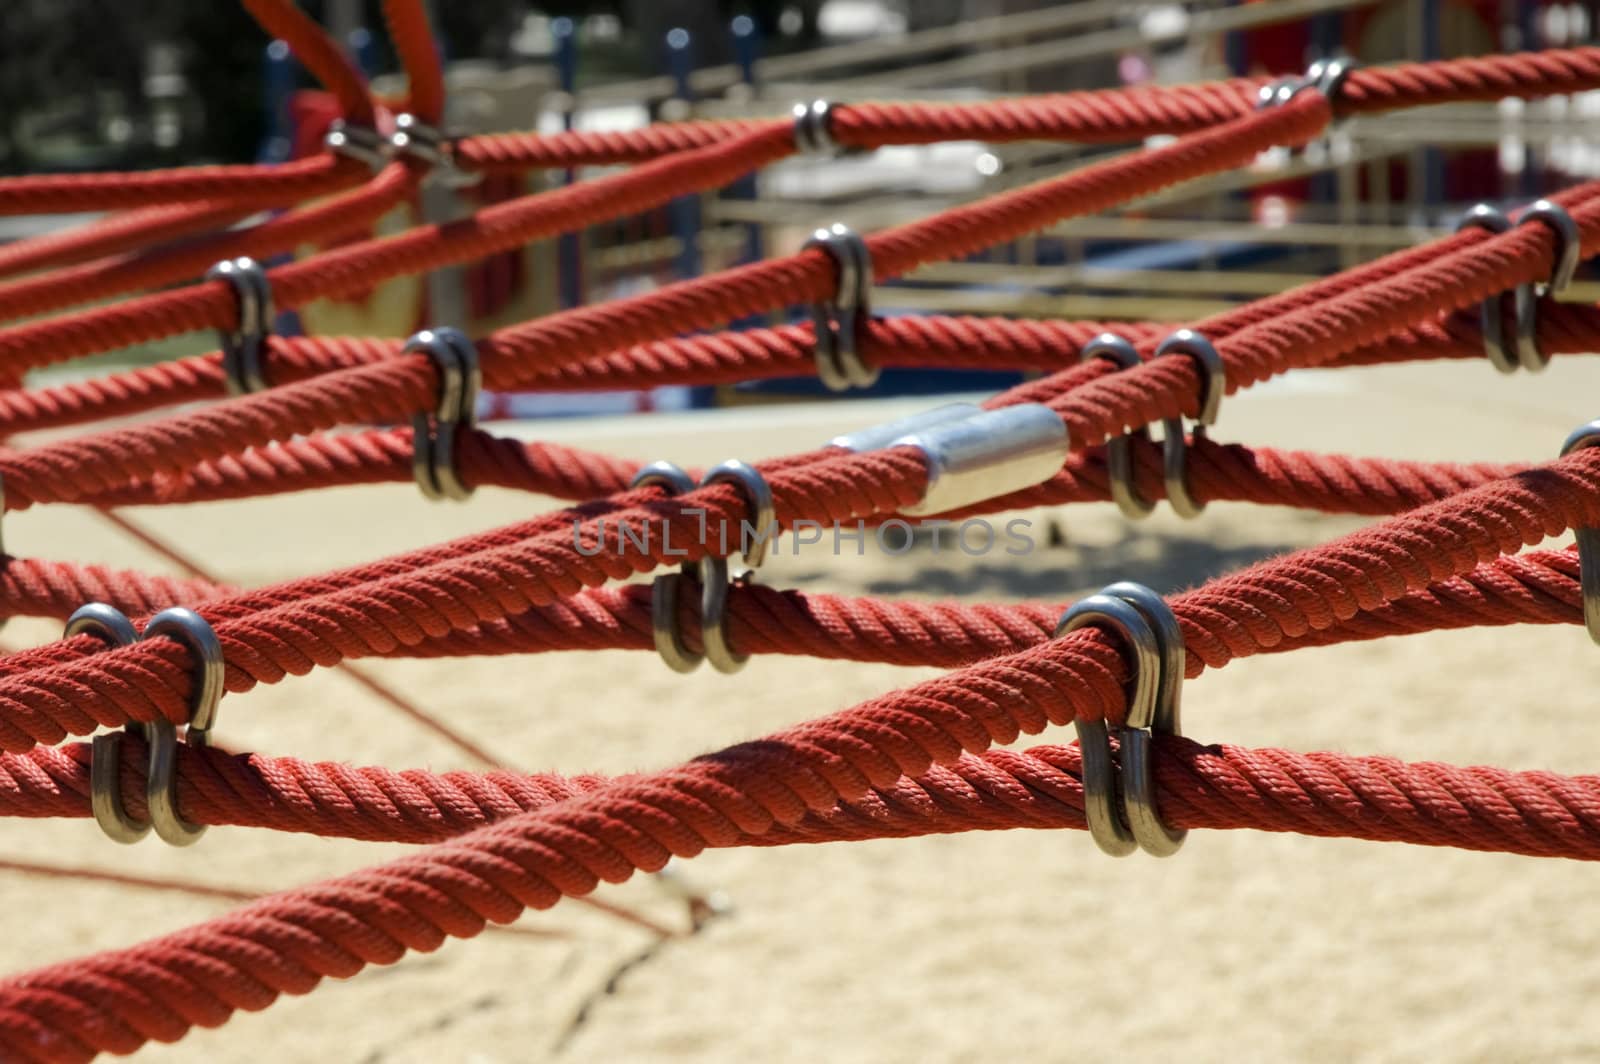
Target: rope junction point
[(914, 762)]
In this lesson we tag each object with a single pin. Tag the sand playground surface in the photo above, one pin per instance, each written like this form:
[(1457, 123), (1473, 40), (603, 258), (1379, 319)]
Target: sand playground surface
[(1024, 944)]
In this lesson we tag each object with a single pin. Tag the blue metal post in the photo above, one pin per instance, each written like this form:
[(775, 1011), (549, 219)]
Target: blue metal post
[(278, 73), (363, 49), (1236, 49), (1327, 33), (746, 49), (1327, 40), (684, 211), (1432, 160), (569, 246), (1530, 39)]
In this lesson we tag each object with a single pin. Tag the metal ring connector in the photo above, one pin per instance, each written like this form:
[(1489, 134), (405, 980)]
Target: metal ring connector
[(433, 443), (837, 322), (1119, 449), (664, 588), (161, 788), (161, 782), (1491, 321), (1588, 538), (714, 574), (1174, 449), (713, 568), (1155, 643), (241, 347), (362, 143), (105, 753), (1568, 251), (813, 133), (1138, 775)]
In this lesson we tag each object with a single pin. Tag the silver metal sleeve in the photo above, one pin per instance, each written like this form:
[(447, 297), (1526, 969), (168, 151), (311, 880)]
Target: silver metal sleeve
[(987, 455), (877, 437)]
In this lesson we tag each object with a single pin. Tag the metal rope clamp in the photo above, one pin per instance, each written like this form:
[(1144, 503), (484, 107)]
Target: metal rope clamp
[(1119, 449), (972, 454), (1491, 319), (1174, 449), (713, 568), (1327, 76), (433, 437), (1154, 642), (362, 143), (161, 782), (416, 138), (242, 347), (1568, 251), (813, 128), (1588, 538), (837, 323)]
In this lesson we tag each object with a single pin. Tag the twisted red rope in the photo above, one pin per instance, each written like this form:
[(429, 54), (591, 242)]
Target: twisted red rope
[(922, 341), (334, 218), (319, 53), (788, 787), (1325, 794), (419, 57), (902, 764), (114, 234), (374, 609)]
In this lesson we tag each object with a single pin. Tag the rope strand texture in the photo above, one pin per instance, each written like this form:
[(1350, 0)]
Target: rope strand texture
[(804, 277), (349, 270), (266, 635), (1104, 116), (921, 342), (911, 762), (245, 185), (114, 234), (788, 787), (1324, 794), (371, 393), (346, 214), (1334, 484)]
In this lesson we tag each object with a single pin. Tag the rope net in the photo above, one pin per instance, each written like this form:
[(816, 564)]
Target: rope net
[(917, 761)]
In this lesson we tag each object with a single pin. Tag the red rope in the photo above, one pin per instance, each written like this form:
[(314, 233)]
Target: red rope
[(1328, 794), (1533, 588), (1163, 388), (245, 185), (956, 232), (115, 234), (573, 837), (1334, 484), (921, 341), (378, 392), (351, 269), (907, 763), (334, 218), (319, 53), (419, 56), (303, 624), (1097, 116)]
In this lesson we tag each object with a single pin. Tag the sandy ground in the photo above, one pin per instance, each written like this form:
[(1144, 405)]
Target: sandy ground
[(978, 947)]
